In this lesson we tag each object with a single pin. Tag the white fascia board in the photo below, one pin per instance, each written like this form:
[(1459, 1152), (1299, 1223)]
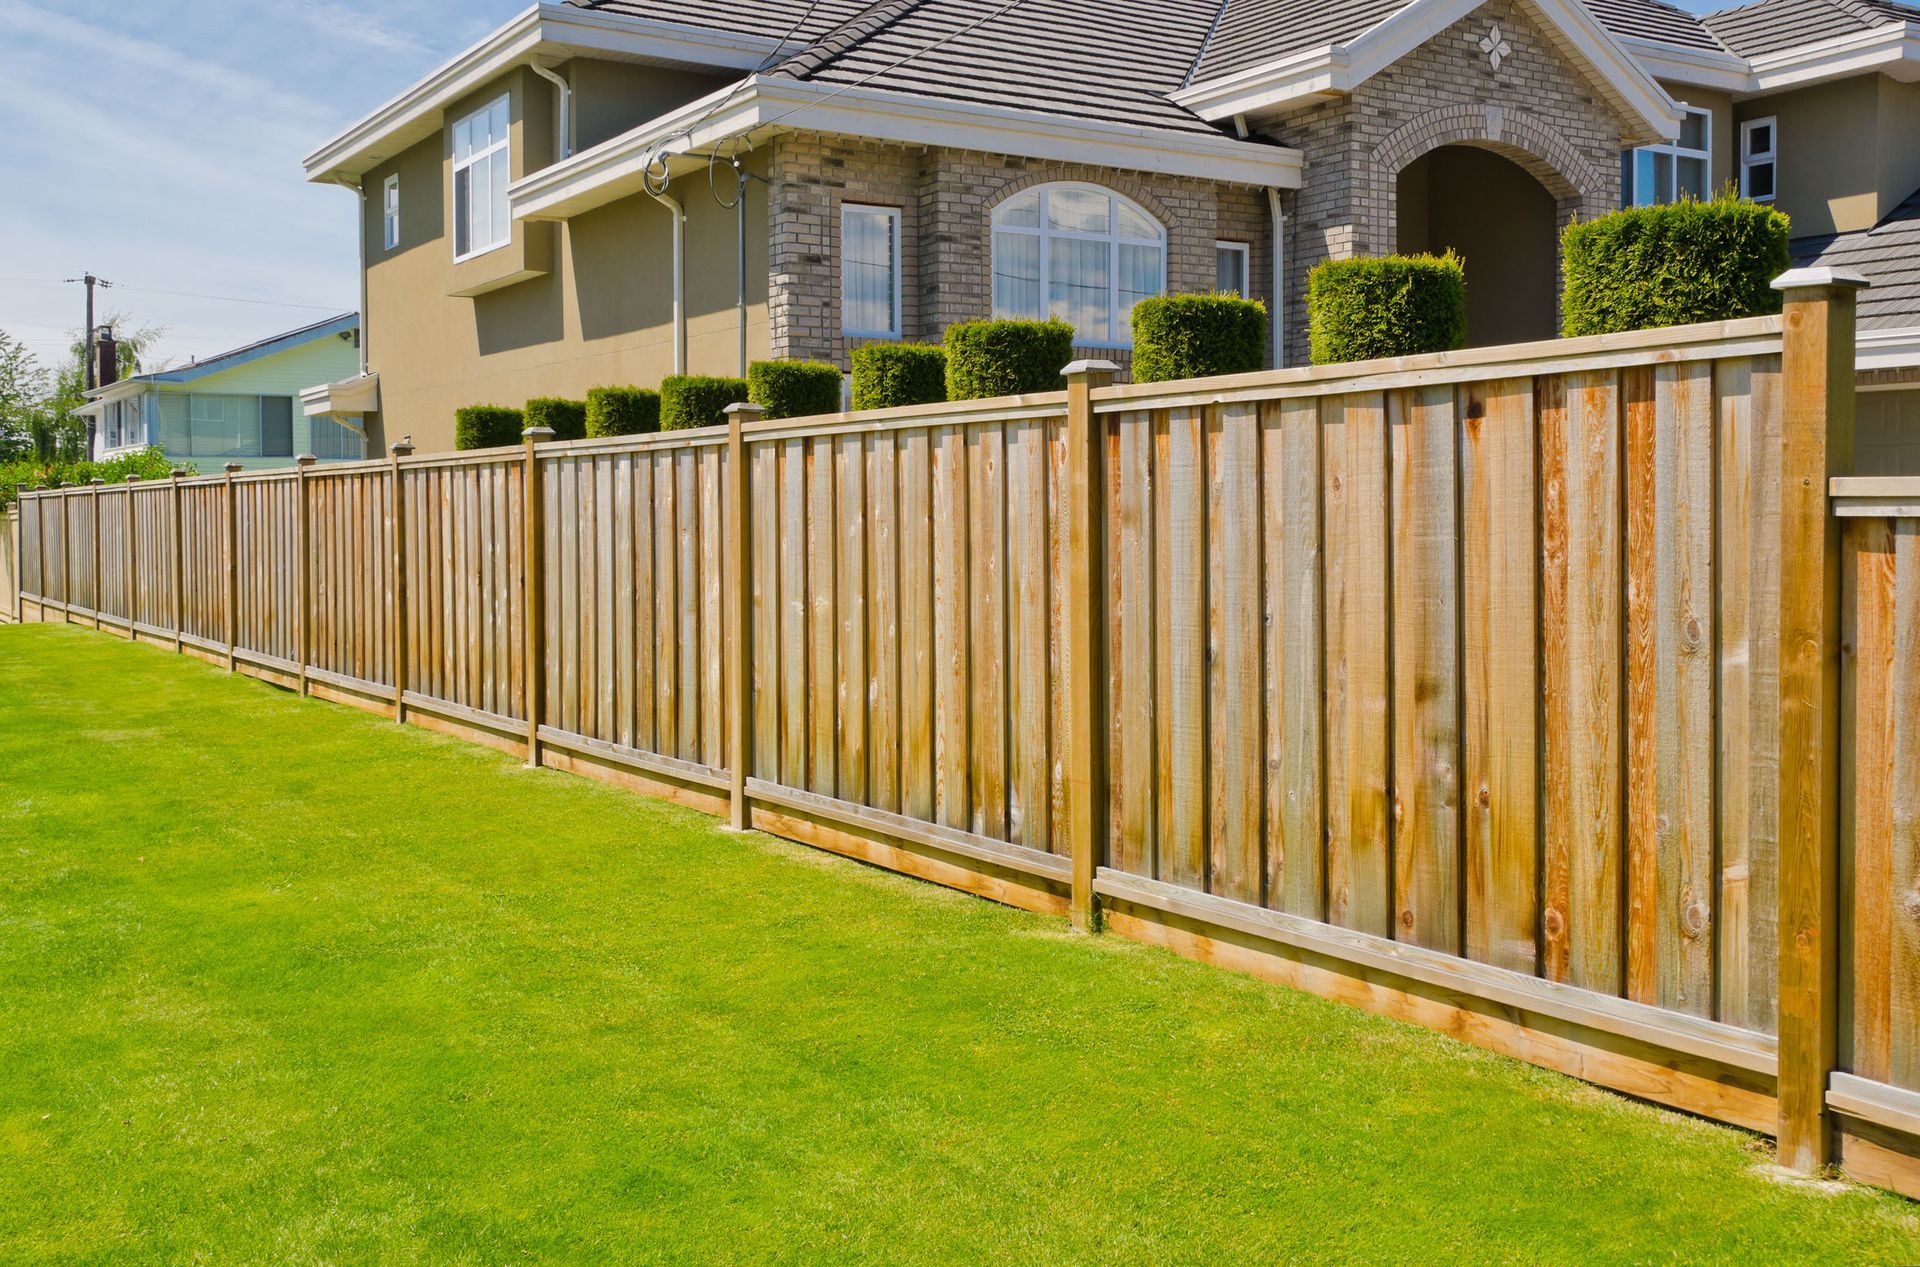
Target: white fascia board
[(1887, 349), (1893, 50), (1695, 67), (552, 31), (1306, 76), (761, 107)]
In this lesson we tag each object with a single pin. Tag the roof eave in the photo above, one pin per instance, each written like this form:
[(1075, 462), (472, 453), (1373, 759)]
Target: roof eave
[(544, 32), (1893, 49), (763, 106), (1696, 67)]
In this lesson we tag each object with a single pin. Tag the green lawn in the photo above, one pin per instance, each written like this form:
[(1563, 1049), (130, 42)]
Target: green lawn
[(281, 982)]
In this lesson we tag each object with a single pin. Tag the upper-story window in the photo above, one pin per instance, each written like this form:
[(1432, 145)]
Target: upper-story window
[(481, 163), (1080, 253), (1671, 170), (870, 271), (390, 212), (1759, 154)]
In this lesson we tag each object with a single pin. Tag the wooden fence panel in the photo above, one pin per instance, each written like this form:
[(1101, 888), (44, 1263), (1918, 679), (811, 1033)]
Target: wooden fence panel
[(350, 554), (10, 579), (466, 581), (268, 578), (30, 514), (203, 568)]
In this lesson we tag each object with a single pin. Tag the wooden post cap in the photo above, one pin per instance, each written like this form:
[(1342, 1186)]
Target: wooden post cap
[(743, 410), (96, 480), (402, 447), (305, 460), (234, 468), (1820, 279), (1098, 373), (537, 434), (177, 473), (132, 478)]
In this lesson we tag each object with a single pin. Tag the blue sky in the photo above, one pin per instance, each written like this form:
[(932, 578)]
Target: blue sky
[(158, 143)]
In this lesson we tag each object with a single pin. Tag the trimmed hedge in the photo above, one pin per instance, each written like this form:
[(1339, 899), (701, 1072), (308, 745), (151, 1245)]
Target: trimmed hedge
[(487, 426), (622, 411), (1672, 265), (1197, 336), (794, 389), (568, 418), (698, 400), (1006, 358), (890, 374), (1398, 305)]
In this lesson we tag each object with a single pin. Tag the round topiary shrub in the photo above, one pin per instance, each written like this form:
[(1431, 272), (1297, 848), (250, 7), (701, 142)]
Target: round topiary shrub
[(794, 389), (1006, 358), (1672, 265), (487, 426), (1196, 336), (890, 374), (1399, 305), (698, 400), (568, 418), (622, 411)]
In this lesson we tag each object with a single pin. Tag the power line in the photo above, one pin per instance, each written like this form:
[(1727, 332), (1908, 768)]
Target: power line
[(179, 294)]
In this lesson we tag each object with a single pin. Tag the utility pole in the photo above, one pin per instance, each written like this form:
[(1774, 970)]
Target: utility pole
[(86, 353)]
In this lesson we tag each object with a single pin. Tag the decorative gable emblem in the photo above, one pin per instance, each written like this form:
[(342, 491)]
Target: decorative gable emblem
[(1495, 46)]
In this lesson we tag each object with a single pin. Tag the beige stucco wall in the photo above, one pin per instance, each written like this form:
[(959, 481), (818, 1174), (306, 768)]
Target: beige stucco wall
[(597, 311), (1849, 150)]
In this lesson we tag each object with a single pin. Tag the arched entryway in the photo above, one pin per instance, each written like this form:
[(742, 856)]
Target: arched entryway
[(1502, 222)]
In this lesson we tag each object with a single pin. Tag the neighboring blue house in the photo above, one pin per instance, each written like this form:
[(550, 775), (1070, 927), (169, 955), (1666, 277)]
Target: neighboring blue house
[(242, 406)]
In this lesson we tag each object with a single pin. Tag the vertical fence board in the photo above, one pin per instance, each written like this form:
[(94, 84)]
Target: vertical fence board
[(1290, 506)]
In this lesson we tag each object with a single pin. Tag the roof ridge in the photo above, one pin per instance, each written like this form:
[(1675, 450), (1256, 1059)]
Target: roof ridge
[(1864, 12), (1213, 27), (837, 42)]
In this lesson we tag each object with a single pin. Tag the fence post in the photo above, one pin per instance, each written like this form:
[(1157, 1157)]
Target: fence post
[(1817, 386), (93, 496), (739, 573), (397, 617), (179, 564), (535, 551), (233, 565), (66, 553), (1086, 633), (133, 564), (302, 625)]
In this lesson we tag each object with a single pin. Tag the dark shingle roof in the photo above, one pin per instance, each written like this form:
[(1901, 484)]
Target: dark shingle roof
[(1654, 20), (1256, 31), (1888, 255), (1773, 25)]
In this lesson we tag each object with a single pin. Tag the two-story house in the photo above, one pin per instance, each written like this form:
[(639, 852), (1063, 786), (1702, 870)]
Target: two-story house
[(605, 191)]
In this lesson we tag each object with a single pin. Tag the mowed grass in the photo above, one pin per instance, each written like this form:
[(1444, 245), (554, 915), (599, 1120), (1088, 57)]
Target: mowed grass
[(281, 982)]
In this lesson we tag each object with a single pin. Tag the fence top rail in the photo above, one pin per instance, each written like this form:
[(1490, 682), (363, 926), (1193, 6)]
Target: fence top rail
[(1031, 407), (683, 438), (1748, 336), (1875, 496)]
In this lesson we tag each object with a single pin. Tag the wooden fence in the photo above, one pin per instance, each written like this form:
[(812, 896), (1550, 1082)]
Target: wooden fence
[(9, 567), (1499, 691)]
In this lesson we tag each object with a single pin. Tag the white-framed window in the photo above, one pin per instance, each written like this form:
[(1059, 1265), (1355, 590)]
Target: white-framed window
[(218, 425), (390, 211), (1078, 252), (1673, 169), (1230, 273), (1759, 158), (482, 160), (870, 271)]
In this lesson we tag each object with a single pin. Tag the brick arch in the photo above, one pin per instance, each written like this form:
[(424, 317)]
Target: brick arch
[(1105, 178), (1541, 152)]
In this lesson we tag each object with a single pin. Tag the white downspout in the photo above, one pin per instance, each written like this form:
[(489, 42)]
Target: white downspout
[(565, 116), (360, 240), (679, 214), (1277, 325)]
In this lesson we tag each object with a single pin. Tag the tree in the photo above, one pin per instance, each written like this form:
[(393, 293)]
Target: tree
[(60, 434), (23, 391)]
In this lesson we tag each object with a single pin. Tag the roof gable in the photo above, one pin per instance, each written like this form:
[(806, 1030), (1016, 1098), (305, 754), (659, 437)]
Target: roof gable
[(1298, 76)]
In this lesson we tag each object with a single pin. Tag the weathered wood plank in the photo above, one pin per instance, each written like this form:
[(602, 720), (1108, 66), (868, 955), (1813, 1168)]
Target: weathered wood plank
[(850, 600), (917, 755), (793, 614), (987, 626), (883, 624), (822, 623), (1236, 540), (1184, 829), (1135, 759), (1501, 672), (1871, 707), (1028, 757), (1290, 503), (951, 694), (1426, 668)]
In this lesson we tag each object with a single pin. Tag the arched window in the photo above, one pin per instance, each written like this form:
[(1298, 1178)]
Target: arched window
[(1080, 253)]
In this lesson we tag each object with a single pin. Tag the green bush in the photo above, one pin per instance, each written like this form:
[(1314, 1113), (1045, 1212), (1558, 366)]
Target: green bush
[(622, 411), (487, 426), (1006, 358), (1672, 265), (890, 374), (794, 389), (568, 418), (26, 472), (1196, 336), (698, 400), (1399, 305)]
